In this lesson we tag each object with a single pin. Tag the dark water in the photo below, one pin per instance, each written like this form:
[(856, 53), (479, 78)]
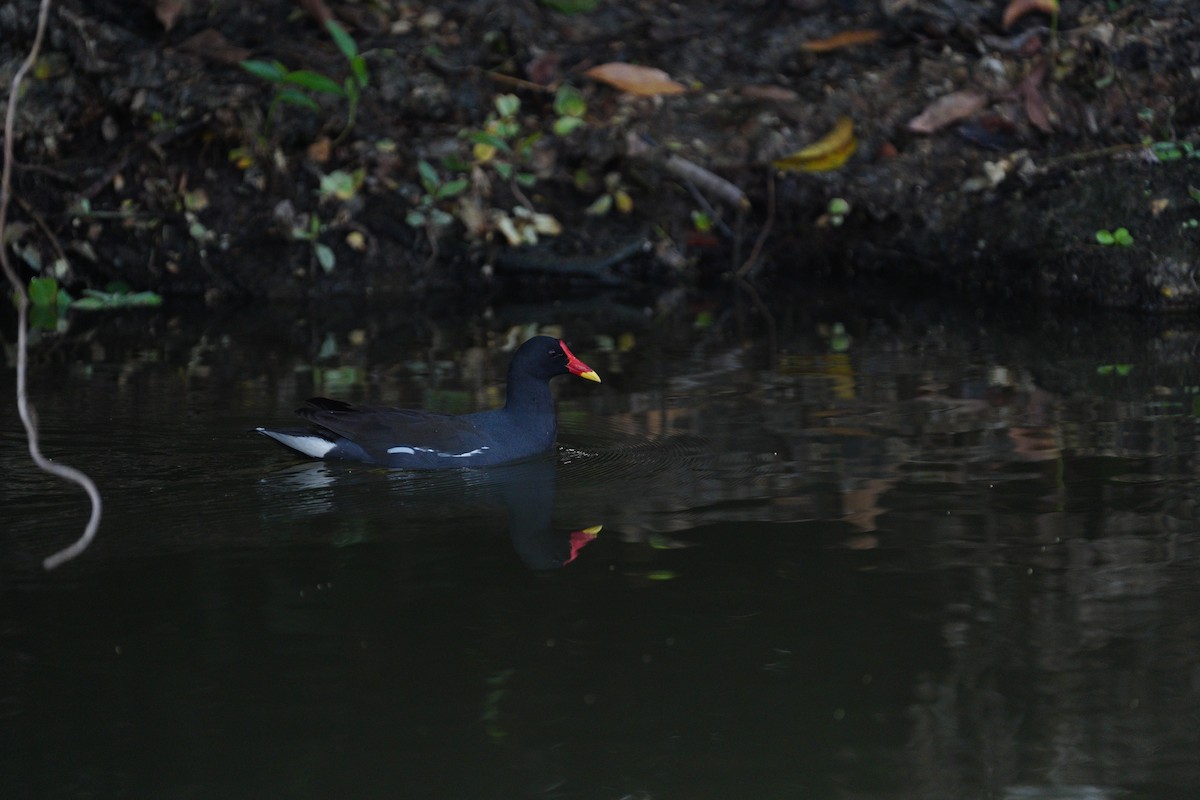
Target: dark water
[(934, 560)]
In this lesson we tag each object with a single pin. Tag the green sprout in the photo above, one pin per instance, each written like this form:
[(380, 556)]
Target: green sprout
[(297, 87), (322, 252), (436, 190), (1120, 236), (570, 107)]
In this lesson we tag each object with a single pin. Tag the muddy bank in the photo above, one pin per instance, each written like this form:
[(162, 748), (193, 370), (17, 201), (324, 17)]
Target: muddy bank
[(147, 155)]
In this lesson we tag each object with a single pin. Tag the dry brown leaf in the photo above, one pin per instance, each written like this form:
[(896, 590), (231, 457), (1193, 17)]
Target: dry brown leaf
[(1019, 8), (212, 44), (168, 12), (947, 109), (635, 79), (1035, 103), (319, 151), (843, 39), (769, 92)]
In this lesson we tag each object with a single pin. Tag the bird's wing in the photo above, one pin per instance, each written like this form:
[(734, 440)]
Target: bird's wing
[(384, 432)]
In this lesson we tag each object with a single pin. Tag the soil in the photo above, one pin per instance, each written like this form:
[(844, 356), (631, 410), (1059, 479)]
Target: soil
[(145, 154)]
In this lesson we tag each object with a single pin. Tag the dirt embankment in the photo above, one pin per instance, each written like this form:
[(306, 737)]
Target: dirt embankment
[(147, 155)]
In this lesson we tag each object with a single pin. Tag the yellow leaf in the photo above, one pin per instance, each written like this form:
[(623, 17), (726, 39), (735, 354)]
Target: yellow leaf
[(828, 153), (623, 201), (484, 152), (635, 79)]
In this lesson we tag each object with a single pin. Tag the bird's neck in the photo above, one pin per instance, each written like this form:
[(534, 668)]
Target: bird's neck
[(528, 396)]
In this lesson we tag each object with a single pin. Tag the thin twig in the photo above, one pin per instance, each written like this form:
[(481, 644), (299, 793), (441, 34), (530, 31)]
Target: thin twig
[(762, 236), (27, 412), (707, 180), (741, 275)]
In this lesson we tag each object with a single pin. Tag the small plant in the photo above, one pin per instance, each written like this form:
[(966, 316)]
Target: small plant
[(501, 144), (614, 195), (835, 213), (341, 185), (48, 303), (1121, 236), (436, 190), (116, 295), (322, 252), (570, 107), (1174, 151), (297, 87)]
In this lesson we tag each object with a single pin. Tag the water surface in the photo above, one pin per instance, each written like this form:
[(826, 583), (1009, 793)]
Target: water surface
[(926, 559)]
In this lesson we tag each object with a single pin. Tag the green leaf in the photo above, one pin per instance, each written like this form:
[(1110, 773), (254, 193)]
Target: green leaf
[(660, 575), (526, 179), (1167, 151), (1194, 193), (507, 105), (601, 206), (296, 97), (415, 219), (96, 301), (343, 40), (1122, 237), (43, 292), (569, 102), (503, 169), (483, 137), (267, 70), (358, 65), (340, 184), (1105, 238), (565, 125), (452, 188), (525, 145), (429, 176), (314, 81), (325, 256)]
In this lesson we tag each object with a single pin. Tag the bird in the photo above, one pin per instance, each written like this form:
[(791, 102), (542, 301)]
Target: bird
[(400, 438)]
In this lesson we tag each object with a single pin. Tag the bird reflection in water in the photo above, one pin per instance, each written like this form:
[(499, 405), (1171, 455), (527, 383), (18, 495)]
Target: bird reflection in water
[(431, 502)]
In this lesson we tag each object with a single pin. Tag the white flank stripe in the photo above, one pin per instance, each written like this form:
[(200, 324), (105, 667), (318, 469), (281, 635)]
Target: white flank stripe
[(312, 446), (406, 450), (474, 452)]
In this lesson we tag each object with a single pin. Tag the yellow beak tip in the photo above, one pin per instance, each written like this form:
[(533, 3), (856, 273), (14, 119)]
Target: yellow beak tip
[(590, 375)]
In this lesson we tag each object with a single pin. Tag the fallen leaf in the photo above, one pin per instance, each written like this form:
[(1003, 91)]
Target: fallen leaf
[(168, 12), (212, 44), (319, 151), (827, 153), (769, 92), (947, 109), (1035, 103), (544, 69), (843, 39), (635, 79), (1019, 8)]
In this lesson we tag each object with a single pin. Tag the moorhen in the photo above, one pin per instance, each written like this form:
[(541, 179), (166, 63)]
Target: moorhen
[(413, 439)]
